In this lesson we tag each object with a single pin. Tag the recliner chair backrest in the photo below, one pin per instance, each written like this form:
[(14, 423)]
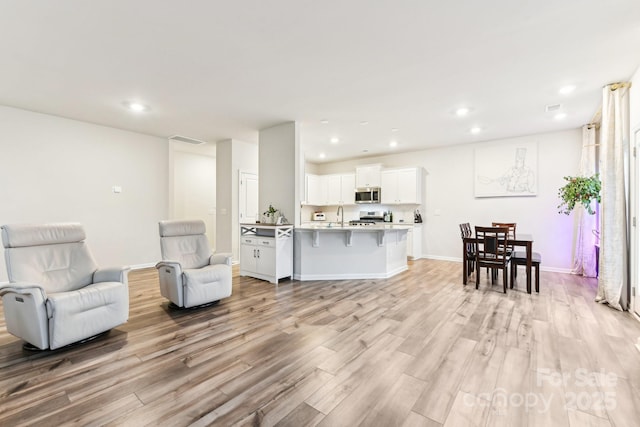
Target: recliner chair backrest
[(184, 241), (52, 255)]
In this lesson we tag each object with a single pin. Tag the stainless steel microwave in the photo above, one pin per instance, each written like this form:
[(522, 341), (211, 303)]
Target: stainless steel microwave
[(368, 195)]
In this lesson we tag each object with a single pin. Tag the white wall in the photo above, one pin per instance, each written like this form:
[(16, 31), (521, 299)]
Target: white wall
[(194, 185), (281, 176), (232, 157), (449, 197), (54, 169)]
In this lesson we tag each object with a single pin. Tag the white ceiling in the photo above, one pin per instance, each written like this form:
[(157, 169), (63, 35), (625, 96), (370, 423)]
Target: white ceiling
[(214, 70)]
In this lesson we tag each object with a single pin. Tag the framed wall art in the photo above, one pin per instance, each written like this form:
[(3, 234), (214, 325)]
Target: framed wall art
[(506, 170)]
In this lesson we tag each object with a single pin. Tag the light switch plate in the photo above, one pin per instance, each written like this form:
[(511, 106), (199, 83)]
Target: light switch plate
[(116, 189)]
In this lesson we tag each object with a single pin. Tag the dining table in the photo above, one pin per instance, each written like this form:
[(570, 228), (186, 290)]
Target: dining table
[(520, 239)]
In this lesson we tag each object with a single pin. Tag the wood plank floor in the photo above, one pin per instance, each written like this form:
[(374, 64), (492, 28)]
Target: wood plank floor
[(419, 349)]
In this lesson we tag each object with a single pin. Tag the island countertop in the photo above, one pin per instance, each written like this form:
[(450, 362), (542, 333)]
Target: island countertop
[(323, 252), (369, 228)]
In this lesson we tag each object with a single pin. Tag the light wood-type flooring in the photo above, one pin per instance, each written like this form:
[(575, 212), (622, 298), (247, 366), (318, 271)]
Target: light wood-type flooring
[(419, 349)]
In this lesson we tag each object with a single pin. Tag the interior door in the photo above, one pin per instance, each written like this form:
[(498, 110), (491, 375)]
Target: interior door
[(248, 198)]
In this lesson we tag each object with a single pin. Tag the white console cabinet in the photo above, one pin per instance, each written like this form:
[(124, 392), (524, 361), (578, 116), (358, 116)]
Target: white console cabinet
[(266, 251)]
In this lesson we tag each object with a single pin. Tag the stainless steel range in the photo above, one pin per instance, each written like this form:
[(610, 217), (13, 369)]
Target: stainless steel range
[(368, 218)]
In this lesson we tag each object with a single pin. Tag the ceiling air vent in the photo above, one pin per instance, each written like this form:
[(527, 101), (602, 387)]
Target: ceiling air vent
[(553, 108), (186, 139)]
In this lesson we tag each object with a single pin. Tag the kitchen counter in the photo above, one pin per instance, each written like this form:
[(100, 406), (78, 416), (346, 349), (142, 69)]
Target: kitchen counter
[(335, 226), (323, 252)]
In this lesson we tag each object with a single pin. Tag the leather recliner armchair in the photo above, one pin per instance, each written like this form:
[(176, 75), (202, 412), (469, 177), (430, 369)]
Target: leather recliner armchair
[(189, 274), (56, 294)]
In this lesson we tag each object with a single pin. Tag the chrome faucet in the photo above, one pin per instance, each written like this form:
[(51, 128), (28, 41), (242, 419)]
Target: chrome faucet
[(341, 213)]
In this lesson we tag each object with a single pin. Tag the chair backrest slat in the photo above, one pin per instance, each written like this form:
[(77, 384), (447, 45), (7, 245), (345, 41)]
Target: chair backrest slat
[(491, 244)]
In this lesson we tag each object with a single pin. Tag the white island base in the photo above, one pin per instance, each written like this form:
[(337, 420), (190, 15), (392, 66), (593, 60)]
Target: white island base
[(349, 253)]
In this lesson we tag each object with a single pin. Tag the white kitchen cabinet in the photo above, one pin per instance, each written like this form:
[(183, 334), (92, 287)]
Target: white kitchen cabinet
[(414, 242), (368, 175), (316, 194), (348, 189), (330, 190), (266, 251), (401, 186), (333, 186)]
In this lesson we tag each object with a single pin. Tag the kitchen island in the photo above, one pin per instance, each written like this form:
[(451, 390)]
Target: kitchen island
[(349, 252)]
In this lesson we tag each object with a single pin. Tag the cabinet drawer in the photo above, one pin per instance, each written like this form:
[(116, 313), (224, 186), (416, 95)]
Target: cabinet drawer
[(249, 241), (265, 242)]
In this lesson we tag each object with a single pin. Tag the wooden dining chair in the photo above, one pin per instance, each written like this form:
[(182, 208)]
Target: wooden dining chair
[(520, 258), (491, 252), (512, 230), (465, 231)]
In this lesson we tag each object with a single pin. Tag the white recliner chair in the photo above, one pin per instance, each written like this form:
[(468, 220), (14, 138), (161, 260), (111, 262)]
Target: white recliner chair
[(57, 295), (189, 274)]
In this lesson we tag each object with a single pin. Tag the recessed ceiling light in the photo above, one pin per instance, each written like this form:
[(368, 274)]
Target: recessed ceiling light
[(393, 144), (476, 129), (136, 106), (560, 116), (394, 129), (364, 122), (565, 90), (462, 111), (334, 140), (324, 121), (322, 155)]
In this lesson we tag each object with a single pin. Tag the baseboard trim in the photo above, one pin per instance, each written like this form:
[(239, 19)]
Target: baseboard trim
[(454, 259), (442, 258)]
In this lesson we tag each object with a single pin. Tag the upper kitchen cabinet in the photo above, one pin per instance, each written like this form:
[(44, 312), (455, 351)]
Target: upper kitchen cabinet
[(316, 190), (368, 175), (348, 189), (401, 186), (330, 190)]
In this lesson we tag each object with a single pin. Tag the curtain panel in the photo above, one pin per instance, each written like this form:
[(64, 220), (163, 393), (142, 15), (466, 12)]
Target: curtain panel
[(584, 261), (613, 280)]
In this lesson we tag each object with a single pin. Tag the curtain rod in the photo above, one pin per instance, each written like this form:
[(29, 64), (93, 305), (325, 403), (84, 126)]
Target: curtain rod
[(619, 85)]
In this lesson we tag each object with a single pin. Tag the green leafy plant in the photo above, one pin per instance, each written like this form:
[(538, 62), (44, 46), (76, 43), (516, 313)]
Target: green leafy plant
[(579, 189), (271, 212)]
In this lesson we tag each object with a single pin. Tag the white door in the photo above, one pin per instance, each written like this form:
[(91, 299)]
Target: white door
[(248, 198)]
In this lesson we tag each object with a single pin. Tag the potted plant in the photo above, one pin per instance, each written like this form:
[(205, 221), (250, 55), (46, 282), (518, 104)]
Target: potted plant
[(579, 189), (270, 215)]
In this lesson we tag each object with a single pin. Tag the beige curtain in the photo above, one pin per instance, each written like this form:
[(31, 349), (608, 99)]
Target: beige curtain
[(613, 283), (584, 261)]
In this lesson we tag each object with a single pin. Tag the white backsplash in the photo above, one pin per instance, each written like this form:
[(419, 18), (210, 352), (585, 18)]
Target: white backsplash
[(401, 213)]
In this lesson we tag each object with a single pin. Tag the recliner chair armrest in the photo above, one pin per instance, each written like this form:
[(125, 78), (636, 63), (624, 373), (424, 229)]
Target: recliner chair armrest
[(111, 274), (25, 312), (24, 288), (221, 258), (171, 264)]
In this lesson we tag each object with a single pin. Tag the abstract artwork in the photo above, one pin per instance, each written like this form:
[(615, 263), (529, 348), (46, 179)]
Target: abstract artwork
[(506, 170)]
